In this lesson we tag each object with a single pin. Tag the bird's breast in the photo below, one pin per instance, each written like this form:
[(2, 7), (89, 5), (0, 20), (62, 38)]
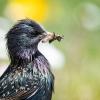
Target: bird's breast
[(42, 68), (42, 75)]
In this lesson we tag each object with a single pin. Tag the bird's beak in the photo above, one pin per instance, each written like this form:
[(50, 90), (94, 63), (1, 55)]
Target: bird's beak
[(48, 36), (51, 36)]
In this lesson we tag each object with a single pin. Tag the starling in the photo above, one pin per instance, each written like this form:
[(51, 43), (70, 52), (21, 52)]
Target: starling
[(28, 76)]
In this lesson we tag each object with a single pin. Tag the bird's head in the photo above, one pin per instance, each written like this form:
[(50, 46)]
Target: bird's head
[(23, 38)]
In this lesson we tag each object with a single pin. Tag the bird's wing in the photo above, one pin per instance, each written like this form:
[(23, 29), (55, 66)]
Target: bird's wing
[(17, 83)]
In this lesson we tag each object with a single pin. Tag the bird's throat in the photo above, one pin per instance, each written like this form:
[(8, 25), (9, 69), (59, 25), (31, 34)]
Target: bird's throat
[(23, 57)]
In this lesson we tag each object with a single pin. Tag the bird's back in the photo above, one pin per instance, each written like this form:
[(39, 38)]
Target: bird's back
[(33, 81)]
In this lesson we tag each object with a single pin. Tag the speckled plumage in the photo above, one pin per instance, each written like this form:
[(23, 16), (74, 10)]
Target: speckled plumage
[(28, 76)]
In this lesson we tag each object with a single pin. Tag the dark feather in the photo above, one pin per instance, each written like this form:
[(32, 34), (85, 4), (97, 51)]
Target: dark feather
[(28, 76)]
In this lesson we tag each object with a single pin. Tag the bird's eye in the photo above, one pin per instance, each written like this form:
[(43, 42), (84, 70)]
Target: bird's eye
[(34, 34)]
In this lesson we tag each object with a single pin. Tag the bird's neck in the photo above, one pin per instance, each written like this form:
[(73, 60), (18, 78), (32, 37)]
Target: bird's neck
[(23, 57)]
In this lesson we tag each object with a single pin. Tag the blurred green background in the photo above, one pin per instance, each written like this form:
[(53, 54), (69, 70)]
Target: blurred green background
[(79, 22)]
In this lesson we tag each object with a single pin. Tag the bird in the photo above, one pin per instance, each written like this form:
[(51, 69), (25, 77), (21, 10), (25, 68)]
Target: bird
[(28, 76)]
